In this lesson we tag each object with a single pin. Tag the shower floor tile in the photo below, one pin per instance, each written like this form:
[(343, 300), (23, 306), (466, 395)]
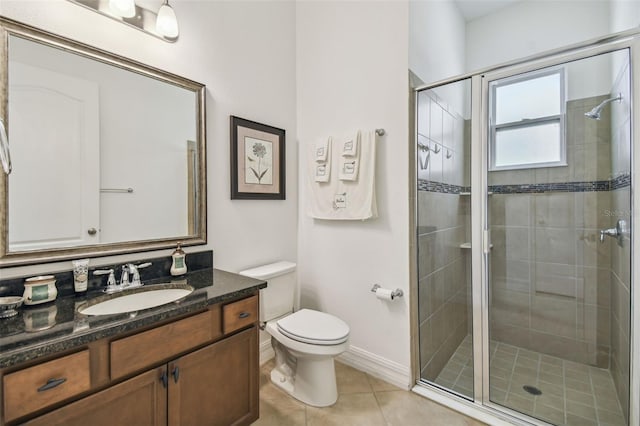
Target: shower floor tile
[(572, 393), (457, 374)]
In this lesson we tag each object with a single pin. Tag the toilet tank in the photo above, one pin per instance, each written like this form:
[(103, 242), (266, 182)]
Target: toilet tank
[(277, 299)]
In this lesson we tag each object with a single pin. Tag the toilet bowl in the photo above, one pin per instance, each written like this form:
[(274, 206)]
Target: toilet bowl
[(305, 342), (310, 376)]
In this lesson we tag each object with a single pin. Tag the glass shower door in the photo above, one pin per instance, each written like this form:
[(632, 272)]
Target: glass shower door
[(443, 235), (559, 162)]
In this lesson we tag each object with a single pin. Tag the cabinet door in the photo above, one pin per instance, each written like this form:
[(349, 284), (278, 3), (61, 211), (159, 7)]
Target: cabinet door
[(216, 385), (141, 400)]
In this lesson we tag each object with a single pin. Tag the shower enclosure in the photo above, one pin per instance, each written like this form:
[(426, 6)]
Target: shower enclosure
[(524, 237)]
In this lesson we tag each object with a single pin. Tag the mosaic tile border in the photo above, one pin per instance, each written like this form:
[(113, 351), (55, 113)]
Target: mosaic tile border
[(619, 182), (594, 186), (443, 188)]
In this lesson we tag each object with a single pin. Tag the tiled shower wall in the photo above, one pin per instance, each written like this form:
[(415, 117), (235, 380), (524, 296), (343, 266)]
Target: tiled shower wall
[(621, 255), (442, 217), (551, 279)]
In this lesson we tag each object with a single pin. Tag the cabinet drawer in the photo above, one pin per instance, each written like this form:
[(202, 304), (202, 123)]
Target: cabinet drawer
[(44, 384), (239, 314), (145, 349)]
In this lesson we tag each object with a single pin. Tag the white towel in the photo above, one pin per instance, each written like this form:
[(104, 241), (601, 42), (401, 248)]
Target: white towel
[(322, 149), (350, 144), (346, 200), (321, 170)]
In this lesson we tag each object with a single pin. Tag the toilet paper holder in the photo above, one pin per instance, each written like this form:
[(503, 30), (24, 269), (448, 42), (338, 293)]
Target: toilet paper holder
[(394, 294)]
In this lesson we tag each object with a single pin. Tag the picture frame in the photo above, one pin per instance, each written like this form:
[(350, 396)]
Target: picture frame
[(257, 161)]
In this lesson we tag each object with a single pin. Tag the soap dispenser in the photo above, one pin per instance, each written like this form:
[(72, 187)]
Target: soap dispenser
[(178, 265)]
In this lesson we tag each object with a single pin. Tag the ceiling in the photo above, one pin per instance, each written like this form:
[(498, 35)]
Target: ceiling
[(473, 9)]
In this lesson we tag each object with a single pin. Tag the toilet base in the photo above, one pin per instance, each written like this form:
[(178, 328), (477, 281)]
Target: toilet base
[(313, 383)]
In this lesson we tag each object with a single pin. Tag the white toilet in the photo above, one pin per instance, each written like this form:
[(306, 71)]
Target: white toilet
[(305, 342)]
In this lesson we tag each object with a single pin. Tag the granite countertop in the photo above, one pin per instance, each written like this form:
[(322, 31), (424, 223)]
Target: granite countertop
[(53, 327)]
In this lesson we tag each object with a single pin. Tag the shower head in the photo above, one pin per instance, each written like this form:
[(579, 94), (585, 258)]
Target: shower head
[(595, 113)]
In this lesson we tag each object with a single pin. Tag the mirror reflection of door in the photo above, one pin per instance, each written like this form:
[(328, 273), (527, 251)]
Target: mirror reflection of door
[(53, 203)]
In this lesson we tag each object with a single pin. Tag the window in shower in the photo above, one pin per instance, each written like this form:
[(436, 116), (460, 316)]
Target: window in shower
[(527, 121)]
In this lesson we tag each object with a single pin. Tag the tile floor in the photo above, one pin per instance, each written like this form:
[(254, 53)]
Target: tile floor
[(572, 393), (363, 400)]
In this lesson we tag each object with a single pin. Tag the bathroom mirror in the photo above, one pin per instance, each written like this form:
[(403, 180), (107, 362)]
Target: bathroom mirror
[(108, 154)]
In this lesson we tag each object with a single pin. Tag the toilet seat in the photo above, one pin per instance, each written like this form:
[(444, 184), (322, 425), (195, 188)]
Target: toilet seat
[(314, 327)]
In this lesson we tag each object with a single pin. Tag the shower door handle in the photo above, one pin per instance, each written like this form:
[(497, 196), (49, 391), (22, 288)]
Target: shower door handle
[(486, 241)]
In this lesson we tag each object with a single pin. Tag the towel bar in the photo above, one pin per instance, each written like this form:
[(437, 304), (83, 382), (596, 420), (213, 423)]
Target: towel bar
[(117, 190)]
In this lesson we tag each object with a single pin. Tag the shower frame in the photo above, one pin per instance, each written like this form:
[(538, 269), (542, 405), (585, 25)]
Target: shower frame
[(481, 407)]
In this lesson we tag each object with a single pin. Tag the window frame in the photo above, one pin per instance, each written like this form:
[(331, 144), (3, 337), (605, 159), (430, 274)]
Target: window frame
[(524, 123)]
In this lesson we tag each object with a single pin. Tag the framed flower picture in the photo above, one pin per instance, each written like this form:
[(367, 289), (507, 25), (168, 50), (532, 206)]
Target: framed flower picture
[(257, 161)]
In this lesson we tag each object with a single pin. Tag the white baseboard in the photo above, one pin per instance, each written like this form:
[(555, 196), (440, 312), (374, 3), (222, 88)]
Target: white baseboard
[(377, 366), (266, 351)]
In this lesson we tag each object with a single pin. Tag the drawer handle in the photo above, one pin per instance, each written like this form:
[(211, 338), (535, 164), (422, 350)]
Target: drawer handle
[(51, 383), (244, 315)]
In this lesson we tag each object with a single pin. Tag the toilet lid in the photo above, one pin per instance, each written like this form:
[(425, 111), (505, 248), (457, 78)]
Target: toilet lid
[(314, 327)]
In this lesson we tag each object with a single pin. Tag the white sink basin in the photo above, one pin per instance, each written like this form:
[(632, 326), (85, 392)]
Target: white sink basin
[(145, 298)]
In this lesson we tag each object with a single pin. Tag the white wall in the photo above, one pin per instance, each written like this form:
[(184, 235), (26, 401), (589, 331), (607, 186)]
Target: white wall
[(625, 14), (436, 40), (437, 48), (244, 52), (588, 77), (352, 73), (530, 27)]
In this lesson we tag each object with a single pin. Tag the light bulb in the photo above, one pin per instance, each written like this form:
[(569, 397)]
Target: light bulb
[(166, 23), (124, 8)]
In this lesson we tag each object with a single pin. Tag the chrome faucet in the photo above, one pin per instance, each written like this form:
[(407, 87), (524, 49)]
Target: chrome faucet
[(129, 271), (611, 232), (124, 276), (112, 287), (618, 232), (135, 274)]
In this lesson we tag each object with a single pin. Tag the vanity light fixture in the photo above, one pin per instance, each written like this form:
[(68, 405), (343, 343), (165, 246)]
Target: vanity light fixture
[(154, 17), (166, 23), (124, 8)]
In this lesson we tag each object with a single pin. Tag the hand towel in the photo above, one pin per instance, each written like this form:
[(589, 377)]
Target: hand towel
[(321, 170), (322, 149), (350, 144), (349, 168)]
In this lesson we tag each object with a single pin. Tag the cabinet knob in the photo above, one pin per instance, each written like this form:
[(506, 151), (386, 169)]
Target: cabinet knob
[(92, 231), (164, 378), (176, 374), (51, 383), (244, 315)]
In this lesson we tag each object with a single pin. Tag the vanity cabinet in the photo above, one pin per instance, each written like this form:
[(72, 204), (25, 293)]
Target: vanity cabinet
[(199, 370)]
